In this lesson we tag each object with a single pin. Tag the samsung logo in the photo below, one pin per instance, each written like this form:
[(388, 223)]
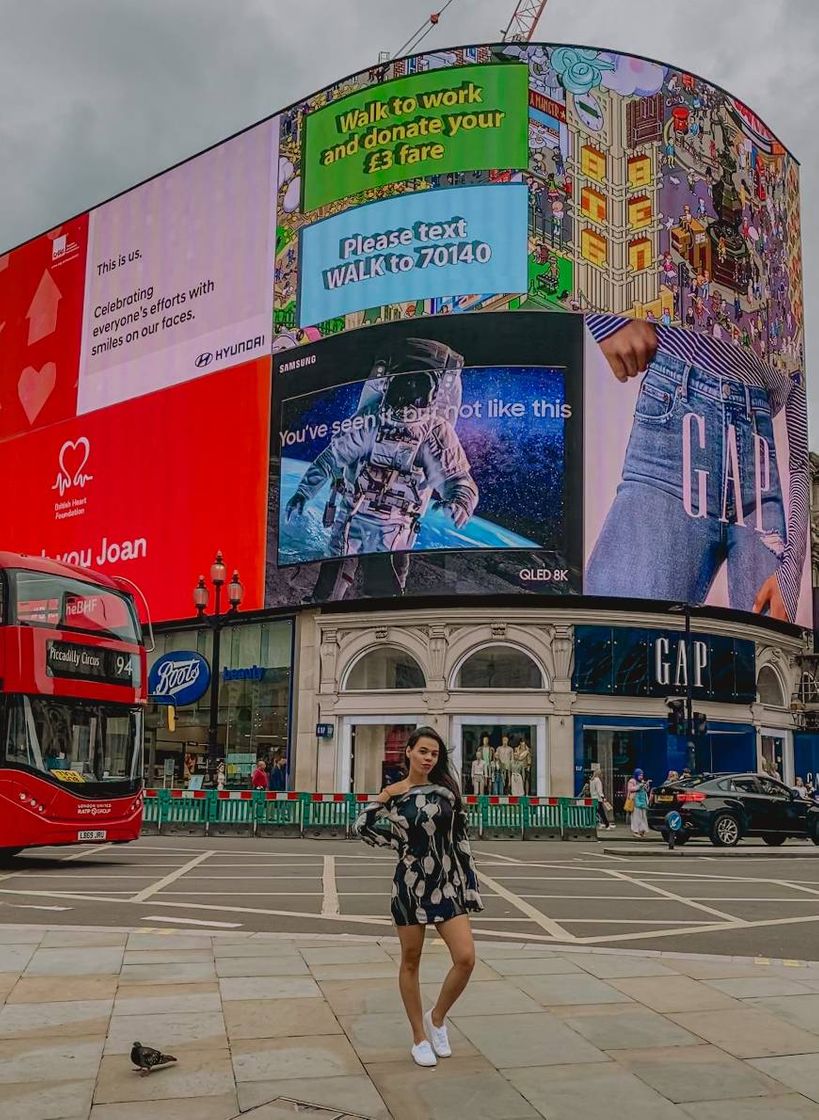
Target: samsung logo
[(307, 360)]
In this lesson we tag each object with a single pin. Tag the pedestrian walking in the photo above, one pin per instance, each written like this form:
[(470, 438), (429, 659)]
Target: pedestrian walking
[(637, 795), (258, 779), (278, 774), (596, 791), (422, 817)]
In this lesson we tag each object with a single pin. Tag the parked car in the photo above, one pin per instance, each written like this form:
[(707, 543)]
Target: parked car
[(726, 807)]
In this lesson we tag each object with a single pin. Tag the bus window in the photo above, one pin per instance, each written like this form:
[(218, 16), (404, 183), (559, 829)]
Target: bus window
[(70, 604), (74, 740)]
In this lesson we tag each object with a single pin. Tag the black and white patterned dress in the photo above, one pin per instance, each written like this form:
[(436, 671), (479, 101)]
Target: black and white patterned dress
[(435, 878)]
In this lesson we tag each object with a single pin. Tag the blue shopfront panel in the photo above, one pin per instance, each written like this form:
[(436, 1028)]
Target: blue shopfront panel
[(806, 754), (622, 745)]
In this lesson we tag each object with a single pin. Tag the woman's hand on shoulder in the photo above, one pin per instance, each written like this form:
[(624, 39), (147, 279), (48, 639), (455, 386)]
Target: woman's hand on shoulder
[(395, 790)]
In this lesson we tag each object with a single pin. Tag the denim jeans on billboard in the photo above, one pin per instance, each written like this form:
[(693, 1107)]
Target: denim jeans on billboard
[(700, 487)]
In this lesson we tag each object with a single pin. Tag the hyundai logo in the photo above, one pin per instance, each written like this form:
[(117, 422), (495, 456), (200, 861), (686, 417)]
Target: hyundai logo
[(204, 359)]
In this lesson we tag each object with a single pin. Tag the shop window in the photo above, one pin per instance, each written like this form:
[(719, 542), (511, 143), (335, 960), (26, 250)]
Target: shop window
[(594, 247), (385, 667), (593, 204), (639, 254), (639, 171), (639, 211), (499, 667), (769, 688), (593, 163)]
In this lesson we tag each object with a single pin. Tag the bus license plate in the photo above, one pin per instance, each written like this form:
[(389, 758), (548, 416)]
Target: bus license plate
[(93, 834)]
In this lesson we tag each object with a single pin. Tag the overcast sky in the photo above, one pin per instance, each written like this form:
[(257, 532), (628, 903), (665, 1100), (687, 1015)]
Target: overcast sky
[(96, 95)]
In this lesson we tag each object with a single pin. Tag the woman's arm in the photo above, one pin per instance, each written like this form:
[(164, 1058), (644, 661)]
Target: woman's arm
[(463, 855), (375, 824)]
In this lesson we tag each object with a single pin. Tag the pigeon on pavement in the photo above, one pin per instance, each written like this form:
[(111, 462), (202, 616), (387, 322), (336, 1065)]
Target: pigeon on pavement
[(146, 1059)]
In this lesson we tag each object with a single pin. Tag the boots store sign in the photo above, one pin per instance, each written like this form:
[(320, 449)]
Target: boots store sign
[(179, 678), (629, 662)]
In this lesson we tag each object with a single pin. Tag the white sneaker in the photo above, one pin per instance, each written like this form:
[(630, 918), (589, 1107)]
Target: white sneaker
[(422, 1054), (438, 1037), (612, 826)]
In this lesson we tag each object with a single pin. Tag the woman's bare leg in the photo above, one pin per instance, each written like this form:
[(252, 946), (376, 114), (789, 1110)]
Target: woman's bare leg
[(412, 943), (457, 933)]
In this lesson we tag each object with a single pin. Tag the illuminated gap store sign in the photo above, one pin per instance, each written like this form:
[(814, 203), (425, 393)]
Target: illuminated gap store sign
[(616, 661)]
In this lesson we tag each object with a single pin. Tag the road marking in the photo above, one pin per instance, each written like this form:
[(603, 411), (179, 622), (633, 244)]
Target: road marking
[(31, 906), (496, 855), (85, 852), (190, 922), (635, 882), (537, 916), (329, 902), (148, 892), (350, 918)]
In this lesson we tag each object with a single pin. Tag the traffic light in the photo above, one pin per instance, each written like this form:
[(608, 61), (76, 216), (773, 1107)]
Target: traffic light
[(675, 724), (700, 724)]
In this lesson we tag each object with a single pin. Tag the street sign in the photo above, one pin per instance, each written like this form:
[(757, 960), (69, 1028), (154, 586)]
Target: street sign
[(325, 730)]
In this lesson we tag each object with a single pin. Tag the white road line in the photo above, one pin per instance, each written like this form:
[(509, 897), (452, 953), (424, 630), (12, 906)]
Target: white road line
[(634, 882), (85, 852), (630, 922), (495, 855), (604, 939), (329, 902), (31, 906), (532, 912), (351, 918), (191, 922), (151, 890)]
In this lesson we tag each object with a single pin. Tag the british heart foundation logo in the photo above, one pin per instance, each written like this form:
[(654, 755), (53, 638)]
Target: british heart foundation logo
[(72, 461)]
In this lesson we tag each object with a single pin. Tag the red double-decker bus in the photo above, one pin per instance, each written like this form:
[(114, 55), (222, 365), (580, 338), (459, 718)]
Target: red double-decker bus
[(72, 701)]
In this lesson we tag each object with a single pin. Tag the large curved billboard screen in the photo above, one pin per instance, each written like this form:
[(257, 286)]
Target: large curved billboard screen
[(521, 180)]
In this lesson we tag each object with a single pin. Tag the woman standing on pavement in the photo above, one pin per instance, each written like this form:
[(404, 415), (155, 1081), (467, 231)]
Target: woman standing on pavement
[(637, 794), (422, 817), (596, 791)]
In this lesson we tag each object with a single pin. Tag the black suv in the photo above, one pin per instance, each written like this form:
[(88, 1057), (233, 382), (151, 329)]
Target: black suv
[(726, 807)]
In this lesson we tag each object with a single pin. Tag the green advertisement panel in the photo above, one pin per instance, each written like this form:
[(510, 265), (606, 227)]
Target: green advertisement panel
[(468, 118)]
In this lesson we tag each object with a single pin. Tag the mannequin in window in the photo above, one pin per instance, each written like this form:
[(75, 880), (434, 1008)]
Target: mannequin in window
[(523, 758), (478, 775), (504, 755), (486, 752)]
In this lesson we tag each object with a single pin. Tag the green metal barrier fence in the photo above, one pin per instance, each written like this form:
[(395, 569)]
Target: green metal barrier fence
[(278, 814), (327, 814), (331, 815)]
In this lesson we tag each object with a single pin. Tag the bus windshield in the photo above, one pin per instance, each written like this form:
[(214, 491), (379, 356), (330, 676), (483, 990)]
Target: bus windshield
[(75, 741), (59, 602)]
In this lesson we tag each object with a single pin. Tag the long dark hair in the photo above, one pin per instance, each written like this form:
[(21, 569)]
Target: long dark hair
[(440, 774)]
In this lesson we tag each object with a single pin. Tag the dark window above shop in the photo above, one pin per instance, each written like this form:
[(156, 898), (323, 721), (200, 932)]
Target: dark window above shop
[(499, 667), (385, 668)]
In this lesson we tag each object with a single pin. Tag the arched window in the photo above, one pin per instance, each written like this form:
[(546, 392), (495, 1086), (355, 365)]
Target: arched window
[(385, 667), (769, 688), (499, 667)]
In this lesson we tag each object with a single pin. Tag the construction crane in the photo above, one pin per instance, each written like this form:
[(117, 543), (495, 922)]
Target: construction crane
[(524, 21)]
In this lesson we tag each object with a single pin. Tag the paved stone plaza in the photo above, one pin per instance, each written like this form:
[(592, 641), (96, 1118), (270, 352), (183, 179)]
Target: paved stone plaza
[(266, 1020)]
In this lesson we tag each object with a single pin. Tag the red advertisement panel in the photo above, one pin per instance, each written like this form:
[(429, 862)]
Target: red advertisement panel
[(41, 299), (144, 489)]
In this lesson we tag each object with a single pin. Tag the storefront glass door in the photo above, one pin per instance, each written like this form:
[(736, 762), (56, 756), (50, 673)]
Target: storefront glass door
[(372, 753)]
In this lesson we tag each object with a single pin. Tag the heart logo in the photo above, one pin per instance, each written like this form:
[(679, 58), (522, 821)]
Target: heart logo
[(72, 459), (35, 387)]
